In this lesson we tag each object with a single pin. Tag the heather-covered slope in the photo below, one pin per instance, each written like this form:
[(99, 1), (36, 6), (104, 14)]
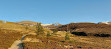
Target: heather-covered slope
[(7, 37), (10, 32), (76, 42), (88, 28)]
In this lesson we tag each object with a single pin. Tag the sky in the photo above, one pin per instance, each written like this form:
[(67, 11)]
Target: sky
[(55, 11)]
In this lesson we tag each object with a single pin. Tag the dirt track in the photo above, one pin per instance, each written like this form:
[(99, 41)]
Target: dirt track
[(16, 45)]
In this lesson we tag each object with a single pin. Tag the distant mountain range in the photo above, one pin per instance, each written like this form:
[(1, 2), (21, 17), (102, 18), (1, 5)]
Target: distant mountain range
[(107, 22), (27, 22), (30, 23), (34, 23), (89, 28)]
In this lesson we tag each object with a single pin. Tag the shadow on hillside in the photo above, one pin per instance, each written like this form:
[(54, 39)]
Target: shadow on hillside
[(80, 33), (102, 35), (21, 46), (91, 34)]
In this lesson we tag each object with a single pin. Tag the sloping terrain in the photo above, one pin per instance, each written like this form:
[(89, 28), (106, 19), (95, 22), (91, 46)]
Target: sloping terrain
[(75, 42), (88, 28), (10, 32), (7, 37), (11, 26)]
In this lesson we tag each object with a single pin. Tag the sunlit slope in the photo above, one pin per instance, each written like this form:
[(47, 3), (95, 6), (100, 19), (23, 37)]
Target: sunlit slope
[(12, 26), (7, 37)]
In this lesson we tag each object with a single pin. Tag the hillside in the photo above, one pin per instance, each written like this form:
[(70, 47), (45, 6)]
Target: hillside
[(7, 37), (10, 32), (88, 28), (57, 41)]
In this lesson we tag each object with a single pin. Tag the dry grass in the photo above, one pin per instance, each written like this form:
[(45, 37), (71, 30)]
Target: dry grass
[(10, 32), (7, 37), (84, 42)]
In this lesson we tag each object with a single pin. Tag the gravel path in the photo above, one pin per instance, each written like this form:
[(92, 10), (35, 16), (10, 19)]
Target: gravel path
[(17, 45)]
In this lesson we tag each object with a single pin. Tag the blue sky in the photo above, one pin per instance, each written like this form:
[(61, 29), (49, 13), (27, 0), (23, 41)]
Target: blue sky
[(52, 11)]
